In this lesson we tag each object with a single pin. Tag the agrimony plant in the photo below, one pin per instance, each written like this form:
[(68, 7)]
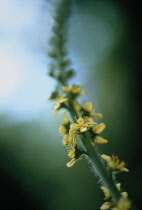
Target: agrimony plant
[(82, 132)]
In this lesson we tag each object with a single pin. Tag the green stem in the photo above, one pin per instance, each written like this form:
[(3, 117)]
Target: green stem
[(100, 168)]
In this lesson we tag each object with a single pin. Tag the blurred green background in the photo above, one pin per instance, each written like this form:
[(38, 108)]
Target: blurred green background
[(105, 45)]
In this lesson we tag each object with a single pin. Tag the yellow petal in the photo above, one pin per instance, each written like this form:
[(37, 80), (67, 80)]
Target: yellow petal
[(73, 128), (67, 139), (65, 119), (123, 204), (61, 99), (124, 194), (80, 121), (83, 129), (72, 131), (91, 123), (106, 193), (106, 205), (88, 107), (125, 169), (100, 140), (73, 89), (67, 88), (55, 109), (71, 154), (62, 129), (64, 100), (99, 115), (99, 128), (71, 163), (106, 158), (118, 185), (76, 90)]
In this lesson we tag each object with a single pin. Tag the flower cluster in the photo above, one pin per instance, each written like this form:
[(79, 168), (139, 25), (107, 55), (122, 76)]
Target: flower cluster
[(83, 121), (116, 166), (70, 141), (122, 204)]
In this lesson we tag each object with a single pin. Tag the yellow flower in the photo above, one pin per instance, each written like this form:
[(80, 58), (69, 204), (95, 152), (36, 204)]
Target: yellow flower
[(60, 102), (67, 139), (122, 204), (114, 163), (71, 153), (97, 130), (81, 124), (71, 163), (118, 185), (72, 89), (74, 152), (100, 140), (61, 99), (89, 110), (106, 206), (64, 129), (124, 194), (106, 193)]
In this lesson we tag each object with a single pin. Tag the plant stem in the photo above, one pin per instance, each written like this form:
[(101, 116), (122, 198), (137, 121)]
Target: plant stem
[(100, 168)]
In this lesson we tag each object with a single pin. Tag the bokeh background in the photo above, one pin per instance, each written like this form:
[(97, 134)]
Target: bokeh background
[(104, 42)]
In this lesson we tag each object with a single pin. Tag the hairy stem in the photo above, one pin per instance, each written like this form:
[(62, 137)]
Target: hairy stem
[(99, 168)]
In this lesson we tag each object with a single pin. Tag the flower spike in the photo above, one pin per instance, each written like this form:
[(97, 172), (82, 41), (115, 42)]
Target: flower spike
[(82, 134)]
